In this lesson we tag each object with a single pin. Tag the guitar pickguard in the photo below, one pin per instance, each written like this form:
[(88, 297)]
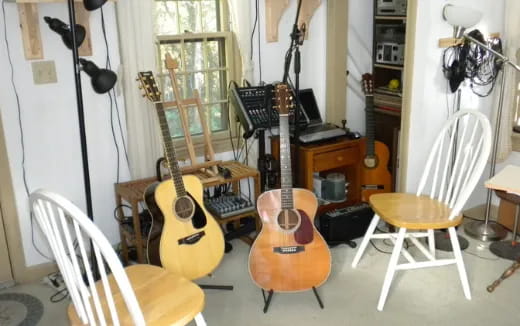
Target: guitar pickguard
[(199, 218)]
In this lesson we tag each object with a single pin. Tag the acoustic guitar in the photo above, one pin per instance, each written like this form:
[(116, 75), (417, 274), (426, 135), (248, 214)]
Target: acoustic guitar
[(289, 254), (375, 177), (191, 242)]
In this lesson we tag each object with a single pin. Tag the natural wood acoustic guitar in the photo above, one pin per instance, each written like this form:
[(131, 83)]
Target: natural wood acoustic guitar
[(191, 242), (375, 177), (289, 254)]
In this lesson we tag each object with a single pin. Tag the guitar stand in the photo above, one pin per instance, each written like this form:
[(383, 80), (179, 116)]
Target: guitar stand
[(267, 301)]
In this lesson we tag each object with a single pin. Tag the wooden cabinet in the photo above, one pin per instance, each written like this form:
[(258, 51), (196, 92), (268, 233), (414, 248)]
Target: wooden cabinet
[(341, 156)]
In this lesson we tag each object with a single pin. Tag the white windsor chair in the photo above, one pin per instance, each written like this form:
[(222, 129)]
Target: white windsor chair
[(453, 169), (136, 295)]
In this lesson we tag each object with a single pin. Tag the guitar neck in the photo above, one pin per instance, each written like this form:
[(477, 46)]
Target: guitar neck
[(285, 163), (171, 157), (370, 124)]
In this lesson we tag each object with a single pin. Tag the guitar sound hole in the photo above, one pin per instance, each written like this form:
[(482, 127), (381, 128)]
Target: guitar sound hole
[(184, 208), (289, 220), (371, 161)]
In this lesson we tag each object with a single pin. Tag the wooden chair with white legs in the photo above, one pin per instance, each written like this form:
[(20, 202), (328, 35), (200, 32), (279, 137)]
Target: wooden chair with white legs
[(136, 295), (452, 171)]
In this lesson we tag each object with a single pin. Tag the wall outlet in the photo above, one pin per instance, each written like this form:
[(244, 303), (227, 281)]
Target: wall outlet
[(44, 72)]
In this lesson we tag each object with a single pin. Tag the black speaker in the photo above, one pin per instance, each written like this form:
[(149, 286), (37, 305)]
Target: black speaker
[(345, 224)]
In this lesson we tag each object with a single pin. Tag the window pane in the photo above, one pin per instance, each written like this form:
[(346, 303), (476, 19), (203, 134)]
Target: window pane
[(209, 16), (190, 82), (174, 123), (166, 18), (215, 90), (189, 16), (193, 56), (217, 116), (215, 54)]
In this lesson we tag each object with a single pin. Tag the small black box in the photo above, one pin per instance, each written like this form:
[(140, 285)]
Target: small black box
[(345, 224)]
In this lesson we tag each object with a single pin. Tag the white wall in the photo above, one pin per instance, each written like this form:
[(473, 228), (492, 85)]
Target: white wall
[(359, 59), (313, 51), (429, 108), (50, 124)]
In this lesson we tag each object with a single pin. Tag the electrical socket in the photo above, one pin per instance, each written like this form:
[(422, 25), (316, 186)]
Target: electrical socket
[(44, 72)]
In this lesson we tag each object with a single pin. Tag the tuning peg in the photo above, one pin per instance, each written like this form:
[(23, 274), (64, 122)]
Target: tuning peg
[(275, 106), (143, 94), (137, 79), (140, 86)]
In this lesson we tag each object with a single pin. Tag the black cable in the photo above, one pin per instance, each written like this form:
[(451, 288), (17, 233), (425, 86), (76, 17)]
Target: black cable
[(20, 125), (253, 32), (112, 95), (59, 296)]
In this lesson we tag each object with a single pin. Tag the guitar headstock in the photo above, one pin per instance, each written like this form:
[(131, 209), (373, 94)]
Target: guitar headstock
[(283, 99), (148, 84), (368, 84)]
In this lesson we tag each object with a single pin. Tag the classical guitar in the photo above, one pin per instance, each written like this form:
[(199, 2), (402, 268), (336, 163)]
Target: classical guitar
[(375, 177), (289, 254), (191, 243)]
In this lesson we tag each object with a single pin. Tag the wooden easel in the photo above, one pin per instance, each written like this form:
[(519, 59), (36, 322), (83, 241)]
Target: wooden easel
[(210, 165)]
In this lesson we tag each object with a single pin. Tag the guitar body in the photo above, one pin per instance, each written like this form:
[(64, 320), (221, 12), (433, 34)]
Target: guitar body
[(285, 261), (190, 251), (375, 179), (153, 244)]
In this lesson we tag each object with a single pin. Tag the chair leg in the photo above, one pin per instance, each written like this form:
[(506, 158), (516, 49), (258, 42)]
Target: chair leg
[(199, 320), (431, 242), (366, 239), (460, 263), (391, 268)]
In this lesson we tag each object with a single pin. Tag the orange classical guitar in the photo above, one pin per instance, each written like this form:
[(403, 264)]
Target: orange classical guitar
[(289, 254), (375, 177)]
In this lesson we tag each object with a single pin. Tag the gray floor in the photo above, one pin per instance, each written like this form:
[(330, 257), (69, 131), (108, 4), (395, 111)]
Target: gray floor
[(417, 297)]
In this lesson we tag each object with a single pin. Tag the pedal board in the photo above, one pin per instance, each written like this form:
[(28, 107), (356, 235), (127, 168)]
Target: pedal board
[(228, 205)]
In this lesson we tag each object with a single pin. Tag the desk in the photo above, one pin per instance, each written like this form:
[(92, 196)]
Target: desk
[(132, 192), (338, 156)]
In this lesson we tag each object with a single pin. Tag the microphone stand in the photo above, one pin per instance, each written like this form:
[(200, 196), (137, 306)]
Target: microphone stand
[(297, 38), (484, 230), (82, 133)]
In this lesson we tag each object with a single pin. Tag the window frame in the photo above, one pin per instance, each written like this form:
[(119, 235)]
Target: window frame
[(221, 139)]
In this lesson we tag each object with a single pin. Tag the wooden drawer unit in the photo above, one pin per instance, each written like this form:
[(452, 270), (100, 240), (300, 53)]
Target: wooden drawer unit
[(335, 159), (340, 156)]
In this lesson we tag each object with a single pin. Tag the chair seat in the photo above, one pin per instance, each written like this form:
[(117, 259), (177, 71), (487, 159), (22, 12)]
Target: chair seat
[(164, 298), (412, 212)]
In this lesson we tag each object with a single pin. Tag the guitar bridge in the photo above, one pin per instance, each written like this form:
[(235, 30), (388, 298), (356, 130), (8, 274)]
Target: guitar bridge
[(288, 250), (191, 239)]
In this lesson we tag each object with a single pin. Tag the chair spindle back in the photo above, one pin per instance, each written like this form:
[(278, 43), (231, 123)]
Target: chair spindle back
[(71, 235), (457, 159)]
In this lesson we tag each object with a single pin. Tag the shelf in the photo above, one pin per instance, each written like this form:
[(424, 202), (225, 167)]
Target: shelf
[(379, 65), (388, 112), (403, 18)]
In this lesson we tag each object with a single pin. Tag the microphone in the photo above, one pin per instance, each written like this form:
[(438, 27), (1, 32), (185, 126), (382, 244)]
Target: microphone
[(93, 4), (65, 32), (102, 80)]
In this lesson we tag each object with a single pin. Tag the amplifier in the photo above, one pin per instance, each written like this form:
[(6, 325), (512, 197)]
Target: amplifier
[(391, 7), (391, 53), (345, 224)]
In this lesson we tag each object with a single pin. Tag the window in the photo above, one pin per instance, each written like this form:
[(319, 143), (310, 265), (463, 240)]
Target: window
[(195, 33)]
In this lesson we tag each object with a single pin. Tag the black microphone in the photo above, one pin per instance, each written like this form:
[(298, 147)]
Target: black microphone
[(65, 32), (93, 4), (102, 80)]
